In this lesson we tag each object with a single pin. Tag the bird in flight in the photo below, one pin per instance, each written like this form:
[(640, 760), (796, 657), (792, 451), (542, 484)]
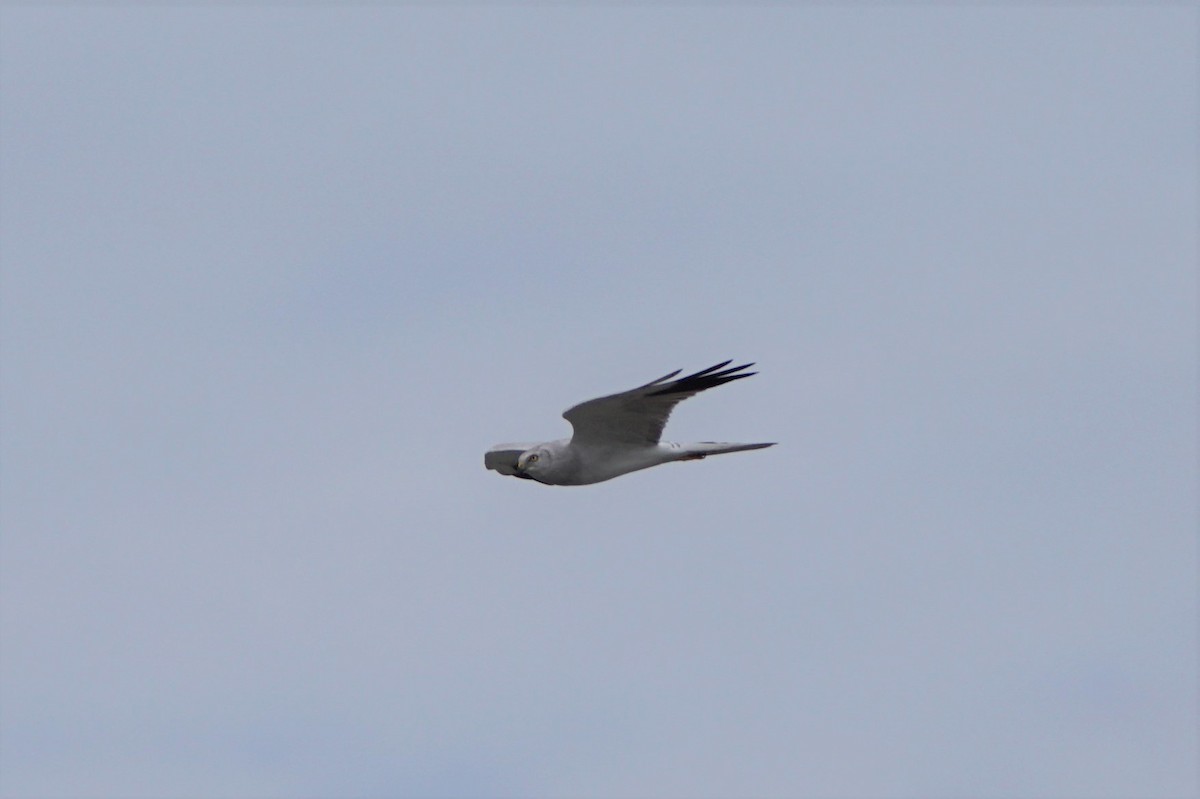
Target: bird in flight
[(618, 434)]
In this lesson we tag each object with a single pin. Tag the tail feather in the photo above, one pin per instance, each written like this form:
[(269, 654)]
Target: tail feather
[(705, 448)]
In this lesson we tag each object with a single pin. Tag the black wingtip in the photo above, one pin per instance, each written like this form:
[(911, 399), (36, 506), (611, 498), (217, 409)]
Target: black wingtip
[(712, 369), (660, 380), (706, 378)]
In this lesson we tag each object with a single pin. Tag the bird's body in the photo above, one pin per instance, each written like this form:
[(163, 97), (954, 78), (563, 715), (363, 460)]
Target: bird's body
[(617, 434)]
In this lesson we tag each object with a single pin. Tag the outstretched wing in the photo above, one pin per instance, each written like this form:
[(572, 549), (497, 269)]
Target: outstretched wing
[(639, 415), (503, 458)]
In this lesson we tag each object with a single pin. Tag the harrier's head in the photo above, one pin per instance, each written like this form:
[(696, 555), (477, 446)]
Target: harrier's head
[(535, 462)]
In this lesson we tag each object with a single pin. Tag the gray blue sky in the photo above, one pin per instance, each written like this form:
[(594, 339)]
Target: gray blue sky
[(272, 280)]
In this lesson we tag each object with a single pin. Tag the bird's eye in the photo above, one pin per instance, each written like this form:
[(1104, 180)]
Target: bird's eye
[(532, 458)]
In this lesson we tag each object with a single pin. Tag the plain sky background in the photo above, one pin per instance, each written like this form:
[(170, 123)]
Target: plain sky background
[(273, 279)]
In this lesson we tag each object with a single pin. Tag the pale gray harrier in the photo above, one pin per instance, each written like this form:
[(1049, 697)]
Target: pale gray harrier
[(617, 434)]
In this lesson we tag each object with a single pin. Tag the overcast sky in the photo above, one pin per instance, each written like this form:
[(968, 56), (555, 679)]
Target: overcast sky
[(273, 279)]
